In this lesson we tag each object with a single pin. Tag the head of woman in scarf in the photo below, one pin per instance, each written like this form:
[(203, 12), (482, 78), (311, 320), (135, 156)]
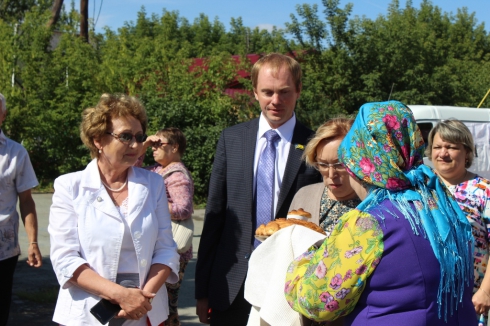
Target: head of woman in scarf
[(384, 144), (383, 154)]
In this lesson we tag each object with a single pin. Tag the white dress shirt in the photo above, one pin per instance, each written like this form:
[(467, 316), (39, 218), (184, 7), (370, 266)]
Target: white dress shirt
[(282, 151)]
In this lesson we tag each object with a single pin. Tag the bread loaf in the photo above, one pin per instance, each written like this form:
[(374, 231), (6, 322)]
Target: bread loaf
[(281, 223), (299, 214)]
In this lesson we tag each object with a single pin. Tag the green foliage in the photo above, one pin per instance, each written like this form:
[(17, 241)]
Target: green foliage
[(416, 55), (38, 295), (15, 10)]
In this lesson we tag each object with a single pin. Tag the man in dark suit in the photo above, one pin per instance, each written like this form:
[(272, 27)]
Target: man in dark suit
[(227, 239)]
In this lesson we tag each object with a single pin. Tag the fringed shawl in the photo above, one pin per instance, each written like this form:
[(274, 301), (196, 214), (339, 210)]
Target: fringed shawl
[(384, 149)]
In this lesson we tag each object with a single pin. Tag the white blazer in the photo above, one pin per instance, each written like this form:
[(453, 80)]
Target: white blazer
[(86, 228)]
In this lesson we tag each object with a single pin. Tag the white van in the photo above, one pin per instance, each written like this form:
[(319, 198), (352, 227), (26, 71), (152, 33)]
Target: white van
[(477, 121)]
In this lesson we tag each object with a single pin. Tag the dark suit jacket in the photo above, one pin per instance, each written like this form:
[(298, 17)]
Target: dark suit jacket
[(229, 225)]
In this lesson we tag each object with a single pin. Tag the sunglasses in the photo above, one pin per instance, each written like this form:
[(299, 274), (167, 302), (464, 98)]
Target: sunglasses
[(127, 138), (159, 144)]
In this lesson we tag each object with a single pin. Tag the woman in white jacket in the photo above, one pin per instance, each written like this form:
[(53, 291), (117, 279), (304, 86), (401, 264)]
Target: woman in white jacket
[(110, 222)]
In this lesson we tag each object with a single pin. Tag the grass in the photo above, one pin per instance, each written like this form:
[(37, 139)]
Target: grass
[(44, 187), (43, 295), (199, 206)]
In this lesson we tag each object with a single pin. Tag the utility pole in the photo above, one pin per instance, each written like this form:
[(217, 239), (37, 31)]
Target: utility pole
[(84, 20)]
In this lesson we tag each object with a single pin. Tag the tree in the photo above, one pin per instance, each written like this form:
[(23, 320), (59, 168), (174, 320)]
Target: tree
[(418, 56), (181, 71), (14, 10), (55, 13)]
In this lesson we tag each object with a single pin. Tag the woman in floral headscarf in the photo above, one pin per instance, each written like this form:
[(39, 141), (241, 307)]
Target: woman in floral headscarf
[(403, 256)]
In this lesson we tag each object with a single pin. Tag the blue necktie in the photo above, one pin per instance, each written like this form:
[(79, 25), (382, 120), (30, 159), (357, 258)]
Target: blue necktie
[(265, 181)]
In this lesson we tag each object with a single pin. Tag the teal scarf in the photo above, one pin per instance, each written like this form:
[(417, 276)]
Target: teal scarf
[(384, 149)]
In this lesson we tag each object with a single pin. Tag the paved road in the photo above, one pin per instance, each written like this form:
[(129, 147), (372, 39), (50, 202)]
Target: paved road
[(43, 201)]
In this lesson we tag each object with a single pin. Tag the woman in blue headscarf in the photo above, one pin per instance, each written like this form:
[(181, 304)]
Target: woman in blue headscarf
[(403, 256)]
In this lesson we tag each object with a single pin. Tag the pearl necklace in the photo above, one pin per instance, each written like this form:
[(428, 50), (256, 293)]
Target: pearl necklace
[(115, 190)]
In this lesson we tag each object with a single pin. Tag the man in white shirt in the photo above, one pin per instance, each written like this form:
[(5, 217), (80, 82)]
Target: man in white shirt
[(237, 192), (17, 178)]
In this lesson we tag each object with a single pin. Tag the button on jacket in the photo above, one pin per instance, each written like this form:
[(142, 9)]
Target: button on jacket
[(86, 228)]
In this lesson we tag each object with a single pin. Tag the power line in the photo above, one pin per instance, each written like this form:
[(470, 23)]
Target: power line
[(98, 15)]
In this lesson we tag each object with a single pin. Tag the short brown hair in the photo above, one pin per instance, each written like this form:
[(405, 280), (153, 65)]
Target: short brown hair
[(452, 131), (174, 136), (277, 61), (96, 121), (332, 129)]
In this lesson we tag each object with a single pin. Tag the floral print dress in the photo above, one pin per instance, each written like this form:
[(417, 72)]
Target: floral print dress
[(331, 210), (331, 279), (473, 197)]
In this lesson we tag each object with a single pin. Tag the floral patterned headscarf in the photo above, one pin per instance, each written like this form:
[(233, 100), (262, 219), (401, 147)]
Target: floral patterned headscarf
[(384, 142), (384, 148)]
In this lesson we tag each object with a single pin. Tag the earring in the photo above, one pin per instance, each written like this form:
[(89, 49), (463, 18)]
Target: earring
[(100, 150)]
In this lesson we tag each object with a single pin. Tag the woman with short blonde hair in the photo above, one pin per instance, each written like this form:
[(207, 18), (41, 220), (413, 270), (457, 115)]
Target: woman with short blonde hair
[(328, 200)]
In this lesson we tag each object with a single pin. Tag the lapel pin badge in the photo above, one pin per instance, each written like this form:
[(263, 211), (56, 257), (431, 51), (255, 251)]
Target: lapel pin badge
[(299, 146)]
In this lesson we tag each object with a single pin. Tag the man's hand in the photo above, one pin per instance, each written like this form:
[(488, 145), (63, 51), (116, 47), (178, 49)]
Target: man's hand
[(34, 257), (202, 311), (29, 218)]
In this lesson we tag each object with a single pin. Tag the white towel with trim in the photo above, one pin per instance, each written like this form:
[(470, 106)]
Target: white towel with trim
[(264, 286)]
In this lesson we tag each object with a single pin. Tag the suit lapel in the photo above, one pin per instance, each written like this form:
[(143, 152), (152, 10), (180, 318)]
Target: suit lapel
[(293, 164), (249, 143)]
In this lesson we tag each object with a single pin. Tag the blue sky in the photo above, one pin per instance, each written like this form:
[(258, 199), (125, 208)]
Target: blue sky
[(262, 13)]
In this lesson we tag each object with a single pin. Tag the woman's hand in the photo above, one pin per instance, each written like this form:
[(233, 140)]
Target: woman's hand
[(135, 303), (481, 301), (152, 140)]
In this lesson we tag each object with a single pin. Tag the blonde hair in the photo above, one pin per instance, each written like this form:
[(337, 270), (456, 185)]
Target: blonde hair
[(456, 132), (332, 129), (96, 121), (276, 62)]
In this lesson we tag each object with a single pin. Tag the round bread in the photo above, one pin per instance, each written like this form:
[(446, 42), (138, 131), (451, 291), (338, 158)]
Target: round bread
[(260, 230), (281, 223), (309, 225), (271, 228), (300, 212)]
